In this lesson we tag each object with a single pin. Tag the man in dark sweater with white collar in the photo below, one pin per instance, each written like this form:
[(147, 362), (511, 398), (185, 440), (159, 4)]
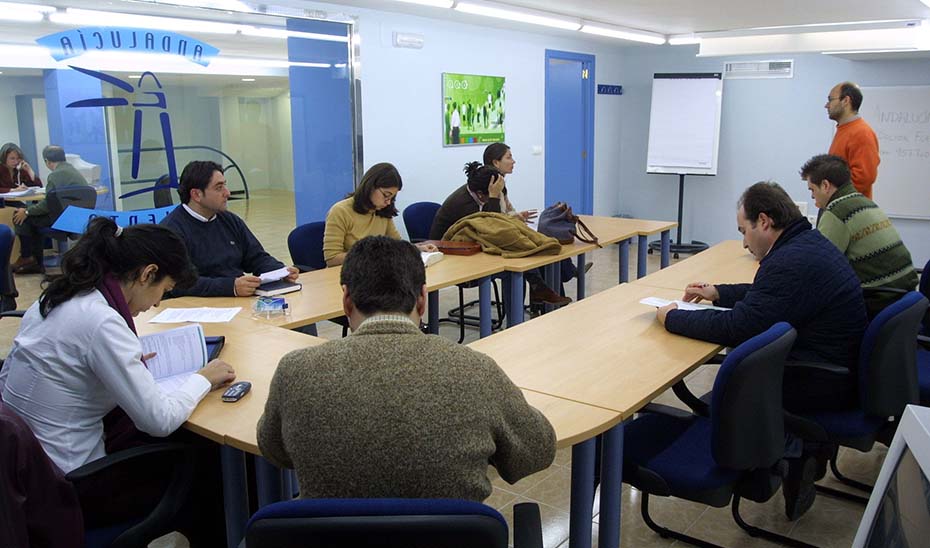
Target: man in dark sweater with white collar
[(220, 244)]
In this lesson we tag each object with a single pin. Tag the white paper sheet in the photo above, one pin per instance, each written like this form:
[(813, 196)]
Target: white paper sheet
[(275, 275), (682, 305), (19, 193), (203, 315)]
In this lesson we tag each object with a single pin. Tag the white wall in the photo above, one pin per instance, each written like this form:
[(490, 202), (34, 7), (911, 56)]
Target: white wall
[(769, 128), (402, 104), (282, 166), (10, 87)]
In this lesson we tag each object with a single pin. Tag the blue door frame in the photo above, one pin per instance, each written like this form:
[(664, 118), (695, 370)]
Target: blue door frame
[(570, 132)]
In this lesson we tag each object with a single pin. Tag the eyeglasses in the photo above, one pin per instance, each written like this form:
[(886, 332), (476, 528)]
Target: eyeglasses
[(831, 99), (387, 195)]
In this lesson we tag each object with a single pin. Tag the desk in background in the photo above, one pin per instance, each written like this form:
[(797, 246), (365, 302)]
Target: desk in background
[(725, 263)]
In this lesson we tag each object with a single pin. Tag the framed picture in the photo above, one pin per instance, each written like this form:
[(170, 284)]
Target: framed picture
[(472, 109)]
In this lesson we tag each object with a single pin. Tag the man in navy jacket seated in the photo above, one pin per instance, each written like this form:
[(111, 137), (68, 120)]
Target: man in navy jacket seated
[(803, 279), (220, 244)]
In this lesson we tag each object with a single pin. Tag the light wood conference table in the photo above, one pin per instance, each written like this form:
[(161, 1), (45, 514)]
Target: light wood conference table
[(607, 351), (725, 263)]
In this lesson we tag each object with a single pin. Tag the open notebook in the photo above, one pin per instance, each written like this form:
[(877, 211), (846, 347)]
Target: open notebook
[(180, 353)]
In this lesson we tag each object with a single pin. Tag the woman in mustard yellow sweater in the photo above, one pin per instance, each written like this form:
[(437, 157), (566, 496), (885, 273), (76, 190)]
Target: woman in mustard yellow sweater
[(369, 211)]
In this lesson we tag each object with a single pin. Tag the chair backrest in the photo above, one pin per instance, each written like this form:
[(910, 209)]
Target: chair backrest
[(38, 506), (6, 248), (418, 219), (888, 358), (747, 420), (924, 288), (360, 523), (305, 243), (79, 195), (161, 196)]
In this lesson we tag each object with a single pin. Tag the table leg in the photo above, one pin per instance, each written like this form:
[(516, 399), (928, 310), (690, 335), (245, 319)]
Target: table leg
[(625, 261), (582, 501), (268, 482), (433, 312), (484, 306), (666, 246), (515, 316), (642, 247), (235, 497), (579, 265), (611, 488)]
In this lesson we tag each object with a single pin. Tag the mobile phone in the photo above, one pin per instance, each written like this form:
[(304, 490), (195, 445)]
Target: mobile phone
[(235, 392)]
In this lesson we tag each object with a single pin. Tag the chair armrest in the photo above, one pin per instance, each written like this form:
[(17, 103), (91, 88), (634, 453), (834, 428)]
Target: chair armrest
[(923, 341), (13, 314), (803, 428), (699, 407), (527, 526), (93, 467), (304, 268), (417, 240), (822, 366), (662, 409)]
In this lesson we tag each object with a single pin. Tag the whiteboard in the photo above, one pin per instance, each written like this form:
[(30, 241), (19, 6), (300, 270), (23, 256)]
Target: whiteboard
[(900, 116), (684, 123)]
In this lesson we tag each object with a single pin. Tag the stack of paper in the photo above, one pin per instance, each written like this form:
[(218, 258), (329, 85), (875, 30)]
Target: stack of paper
[(682, 305)]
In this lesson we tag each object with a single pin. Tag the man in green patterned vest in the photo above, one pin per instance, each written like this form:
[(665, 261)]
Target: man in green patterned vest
[(860, 230)]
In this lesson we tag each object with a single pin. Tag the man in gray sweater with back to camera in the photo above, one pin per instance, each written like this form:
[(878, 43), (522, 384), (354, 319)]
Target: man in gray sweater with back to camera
[(391, 412)]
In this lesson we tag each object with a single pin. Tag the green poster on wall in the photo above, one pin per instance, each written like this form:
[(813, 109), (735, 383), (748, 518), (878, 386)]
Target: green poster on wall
[(473, 109)]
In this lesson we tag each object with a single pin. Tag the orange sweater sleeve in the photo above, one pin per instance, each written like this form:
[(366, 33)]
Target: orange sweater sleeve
[(856, 143)]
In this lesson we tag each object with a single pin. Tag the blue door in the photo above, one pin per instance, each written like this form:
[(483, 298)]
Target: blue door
[(570, 130)]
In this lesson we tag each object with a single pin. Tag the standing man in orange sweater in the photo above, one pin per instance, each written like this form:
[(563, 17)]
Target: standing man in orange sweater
[(854, 140)]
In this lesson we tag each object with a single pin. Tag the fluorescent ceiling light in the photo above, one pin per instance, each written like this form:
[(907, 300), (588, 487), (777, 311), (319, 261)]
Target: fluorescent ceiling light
[(78, 17), (519, 15), (248, 79), (24, 13), (433, 3), (855, 51), (624, 34), (267, 32), (683, 39), (230, 5)]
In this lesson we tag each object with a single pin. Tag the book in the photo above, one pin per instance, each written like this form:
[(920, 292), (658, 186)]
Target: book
[(179, 353), (431, 257), (280, 287)]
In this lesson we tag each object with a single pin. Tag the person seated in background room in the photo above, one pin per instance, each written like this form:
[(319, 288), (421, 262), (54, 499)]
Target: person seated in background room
[(804, 280), (483, 191), (15, 171), (391, 412), (860, 230), (369, 211), (499, 156), (76, 367), (29, 221), (227, 255)]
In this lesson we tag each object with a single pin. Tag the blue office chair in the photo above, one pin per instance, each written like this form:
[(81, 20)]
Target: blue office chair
[(736, 452), (305, 244), (887, 383), (8, 292), (59, 500), (418, 219), (390, 523), (162, 196), (923, 338)]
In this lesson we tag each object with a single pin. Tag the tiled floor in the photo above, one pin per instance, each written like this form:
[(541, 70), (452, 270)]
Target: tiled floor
[(830, 523)]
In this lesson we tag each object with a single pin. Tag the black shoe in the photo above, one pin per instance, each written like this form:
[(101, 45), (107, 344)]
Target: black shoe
[(798, 489)]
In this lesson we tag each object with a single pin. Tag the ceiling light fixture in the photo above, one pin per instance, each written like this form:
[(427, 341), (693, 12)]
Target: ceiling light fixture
[(78, 17), (268, 32), (519, 15), (623, 33), (24, 13), (684, 39), (248, 79), (433, 3)]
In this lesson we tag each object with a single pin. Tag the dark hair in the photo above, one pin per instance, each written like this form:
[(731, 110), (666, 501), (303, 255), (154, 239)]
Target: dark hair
[(7, 148), (826, 167), (383, 175), (480, 176), (53, 153), (196, 174), (382, 274), (851, 90), (769, 198), (494, 152), (101, 251)]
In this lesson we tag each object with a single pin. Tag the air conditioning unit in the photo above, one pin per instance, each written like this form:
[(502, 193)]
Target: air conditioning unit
[(759, 69)]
